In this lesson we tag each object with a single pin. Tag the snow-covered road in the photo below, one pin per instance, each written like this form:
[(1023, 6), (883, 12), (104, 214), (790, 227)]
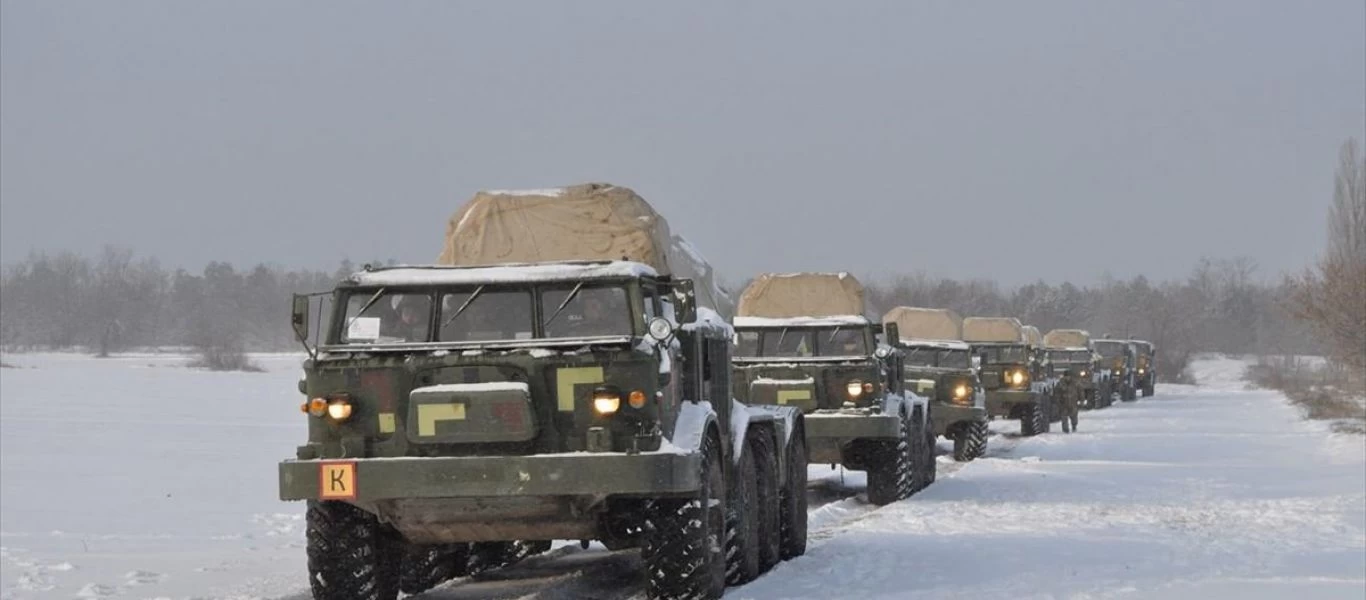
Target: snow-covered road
[(162, 484)]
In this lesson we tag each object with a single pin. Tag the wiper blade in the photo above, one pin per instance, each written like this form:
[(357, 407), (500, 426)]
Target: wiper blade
[(465, 305), (365, 307), (572, 293)]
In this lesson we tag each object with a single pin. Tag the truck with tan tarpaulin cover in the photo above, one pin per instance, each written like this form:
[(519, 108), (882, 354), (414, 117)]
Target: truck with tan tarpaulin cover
[(932, 340), (1072, 349), (563, 373), (804, 341), (1011, 373)]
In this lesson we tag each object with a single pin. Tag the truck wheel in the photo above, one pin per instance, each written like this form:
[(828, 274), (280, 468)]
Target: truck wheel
[(350, 554), (891, 477), (928, 466), (770, 515), (683, 550), (1034, 421), (971, 441), (793, 507), (1148, 389), (742, 521), (425, 567), (1127, 394)]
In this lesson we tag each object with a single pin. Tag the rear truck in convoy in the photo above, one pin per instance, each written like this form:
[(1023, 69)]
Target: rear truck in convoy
[(1120, 361), (1147, 366), (1071, 349), (465, 414), (1011, 373), (939, 363), (804, 342)]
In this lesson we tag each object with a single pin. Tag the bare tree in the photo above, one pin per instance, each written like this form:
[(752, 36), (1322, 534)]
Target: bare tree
[(1332, 295)]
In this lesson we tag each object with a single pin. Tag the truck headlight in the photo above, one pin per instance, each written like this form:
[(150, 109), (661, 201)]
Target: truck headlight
[(960, 391), (1017, 378), (854, 388), (1083, 372), (606, 402), (339, 410)]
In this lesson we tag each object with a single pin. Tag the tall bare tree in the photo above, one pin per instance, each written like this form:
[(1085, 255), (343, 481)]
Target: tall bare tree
[(1332, 295)]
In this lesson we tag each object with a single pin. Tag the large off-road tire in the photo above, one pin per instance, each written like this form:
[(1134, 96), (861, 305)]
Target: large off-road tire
[(891, 474), (971, 441), (684, 550), (769, 498), (351, 556), (792, 507), (425, 567), (742, 521), (1034, 421), (927, 464), (1128, 393), (1148, 389)]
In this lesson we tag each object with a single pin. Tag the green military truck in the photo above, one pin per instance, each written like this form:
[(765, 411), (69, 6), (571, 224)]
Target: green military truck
[(1147, 366), (557, 377), (1119, 359), (1072, 349), (932, 340), (1016, 387), (804, 342)]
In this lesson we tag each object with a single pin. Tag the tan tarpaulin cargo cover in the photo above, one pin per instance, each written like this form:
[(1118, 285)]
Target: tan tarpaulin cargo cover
[(993, 329), (1032, 335), (785, 295), (1067, 338), (592, 221), (915, 323)]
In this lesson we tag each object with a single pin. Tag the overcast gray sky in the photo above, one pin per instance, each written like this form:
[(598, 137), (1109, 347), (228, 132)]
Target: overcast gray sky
[(1013, 140)]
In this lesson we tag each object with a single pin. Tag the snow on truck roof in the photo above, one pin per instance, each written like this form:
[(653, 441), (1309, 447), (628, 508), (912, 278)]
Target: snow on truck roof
[(511, 273), (832, 321), (936, 344)]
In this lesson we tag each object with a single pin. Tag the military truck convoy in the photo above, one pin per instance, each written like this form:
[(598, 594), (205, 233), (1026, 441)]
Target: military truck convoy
[(568, 369), (804, 341)]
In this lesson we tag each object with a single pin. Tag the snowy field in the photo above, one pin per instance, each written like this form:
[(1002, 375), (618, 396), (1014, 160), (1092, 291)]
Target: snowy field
[(134, 477)]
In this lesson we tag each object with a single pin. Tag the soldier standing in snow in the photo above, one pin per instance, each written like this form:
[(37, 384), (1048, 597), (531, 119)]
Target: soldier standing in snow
[(1069, 396)]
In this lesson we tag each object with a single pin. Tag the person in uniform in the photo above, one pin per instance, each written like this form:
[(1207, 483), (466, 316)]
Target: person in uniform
[(1069, 398)]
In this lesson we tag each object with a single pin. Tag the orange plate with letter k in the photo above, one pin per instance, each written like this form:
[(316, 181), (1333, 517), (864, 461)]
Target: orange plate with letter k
[(337, 480)]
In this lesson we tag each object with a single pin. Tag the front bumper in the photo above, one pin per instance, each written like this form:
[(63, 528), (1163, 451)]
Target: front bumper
[(368, 480), (1000, 402), (848, 426), (946, 414), (827, 434)]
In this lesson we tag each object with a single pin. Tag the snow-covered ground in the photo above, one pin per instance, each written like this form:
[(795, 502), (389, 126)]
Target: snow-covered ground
[(136, 478)]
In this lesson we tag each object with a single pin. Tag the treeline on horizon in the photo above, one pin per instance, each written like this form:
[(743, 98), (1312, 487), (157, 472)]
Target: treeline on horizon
[(116, 302)]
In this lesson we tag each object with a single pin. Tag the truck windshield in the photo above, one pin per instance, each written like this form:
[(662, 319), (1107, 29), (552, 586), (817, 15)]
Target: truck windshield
[(1004, 354), (921, 357), (481, 315), (1068, 356), (1110, 350), (955, 359), (586, 311), (484, 314), (382, 317), (802, 342)]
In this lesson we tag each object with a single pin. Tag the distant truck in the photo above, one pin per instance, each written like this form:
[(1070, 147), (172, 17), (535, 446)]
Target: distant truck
[(932, 340), (556, 378), (1120, 359), (1072, 349), (1016, 386), (804, 342), (1147, 366)]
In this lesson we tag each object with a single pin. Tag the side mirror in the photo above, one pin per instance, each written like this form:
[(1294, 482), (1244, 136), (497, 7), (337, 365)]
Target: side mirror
[(685, 302), (892, 334), (299, 317)]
